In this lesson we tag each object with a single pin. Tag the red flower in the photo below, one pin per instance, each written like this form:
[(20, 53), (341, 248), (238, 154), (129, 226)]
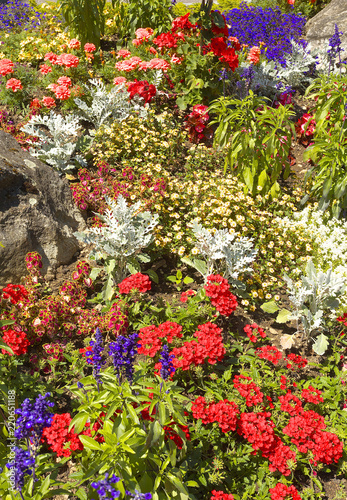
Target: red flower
[(295, 360), (283, 492), (16, 293), (220, 495), (185, 295), (48, 102), (6, 67), (168, 40), (138, 281), (143, 89), (250, 391), (17, 341), (45, 69), (89, 47), (269, 352), (182, 23), (225, 413), (218, 289), (14, 84), (252, 331)]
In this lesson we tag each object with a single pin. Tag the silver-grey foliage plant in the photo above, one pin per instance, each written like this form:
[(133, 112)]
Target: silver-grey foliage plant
[(126, 231), (299, 64), (223, 252), (318, 293), (57, 147), (114, 105)]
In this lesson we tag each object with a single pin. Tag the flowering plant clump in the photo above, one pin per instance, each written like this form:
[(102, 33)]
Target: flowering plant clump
[(196, 123), (218, 290), (138, 281)]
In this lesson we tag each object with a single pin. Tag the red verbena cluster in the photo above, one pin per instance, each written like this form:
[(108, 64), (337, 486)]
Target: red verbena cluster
[(225, 413), (270, 353), (143, 89), (312, 395), (283, 492), (150, 337), (220, 495), (258, 430), (252, 331), (295, 361), (209, 346), (196, 122), (248, 390), (218, 290), (138, 281), (14, 293), (17, 341), (62, 441)]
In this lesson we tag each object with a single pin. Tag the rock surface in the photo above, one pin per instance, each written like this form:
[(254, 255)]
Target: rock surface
[(37, 213), (322, 26)]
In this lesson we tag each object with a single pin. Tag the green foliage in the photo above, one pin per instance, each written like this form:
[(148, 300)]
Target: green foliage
[(225, 5), (258, 139), (328, 153), (181, 9), (143, 14), (85, 19)]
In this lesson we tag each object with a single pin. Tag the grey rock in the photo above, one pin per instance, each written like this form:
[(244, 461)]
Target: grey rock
[(322, 26), (37, 213)]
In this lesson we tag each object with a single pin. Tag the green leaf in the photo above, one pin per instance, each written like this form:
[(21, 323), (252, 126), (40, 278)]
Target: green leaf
[(81, 494), (270, 307), (133, 266), (89, 443), (6, 347), (283, 316), (60, 491), (153, 275), (321, 344), (187, 280), (79, 421), (177, 483)]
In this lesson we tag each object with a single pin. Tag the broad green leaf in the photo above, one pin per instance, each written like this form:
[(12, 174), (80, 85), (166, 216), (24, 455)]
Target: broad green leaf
[(153, 275), (90, 443), (6, 347), (321, 344), (270, 307), (283, 316), (79, 421)]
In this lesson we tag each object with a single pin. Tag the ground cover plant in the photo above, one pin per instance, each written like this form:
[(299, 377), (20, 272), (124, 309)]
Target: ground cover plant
[(198, 348)]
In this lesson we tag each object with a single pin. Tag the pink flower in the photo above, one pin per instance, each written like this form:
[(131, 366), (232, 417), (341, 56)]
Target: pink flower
[(158, 64), (143, 33), (123, 53), (6, 67), (119, 79), (62, 93), (48, 102), (153, 51), (52, 87), (35, 104), (136, 42), (51, 57), (14, 84), (254, 55), (176, 60), (128, 64), (45, 69), (89, 47), (74, 44), (64, 80), (68, 60)]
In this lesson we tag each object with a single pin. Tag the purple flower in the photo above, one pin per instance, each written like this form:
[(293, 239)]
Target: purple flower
[(123, 352), (167, 368), (139, 496), (21, 465), (104, 487), (94, 356), (33, 418)]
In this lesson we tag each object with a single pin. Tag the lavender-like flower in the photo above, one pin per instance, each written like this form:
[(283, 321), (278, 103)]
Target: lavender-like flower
[(21, 464), (104, 487), (167, 368), (123, 352), (94, 356), (33, 418), (335, 47), (139, 496)]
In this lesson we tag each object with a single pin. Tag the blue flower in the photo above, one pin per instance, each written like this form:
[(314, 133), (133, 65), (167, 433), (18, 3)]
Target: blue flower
[(104, 487), (123, 352), (33, 418), (21, 464), (167, 368), (94, 356)]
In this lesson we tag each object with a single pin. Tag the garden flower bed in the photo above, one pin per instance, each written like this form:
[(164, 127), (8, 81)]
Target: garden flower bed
[(196, 347)]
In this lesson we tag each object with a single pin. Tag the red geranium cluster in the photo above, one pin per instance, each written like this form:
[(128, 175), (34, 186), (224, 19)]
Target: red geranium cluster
[(196, 121), (143, 89), (303, 129), (185, 295), (295, 361), (270, 353), (218, 290), (252, 330), (209, 345), (225, 54), (17, 341), (182, 23), (138, 281), (16, 293), (220, 495), (150, 337), (248, 390), (283, 492), (225, 413), (64, 442), (167, 40)]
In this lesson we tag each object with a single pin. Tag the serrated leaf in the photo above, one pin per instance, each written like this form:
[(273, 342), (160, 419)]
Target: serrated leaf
[(269, 307)]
